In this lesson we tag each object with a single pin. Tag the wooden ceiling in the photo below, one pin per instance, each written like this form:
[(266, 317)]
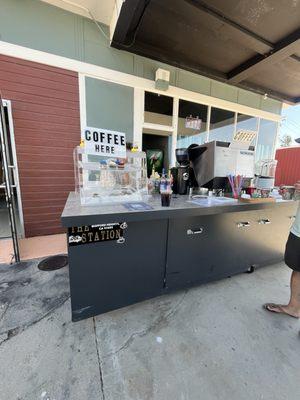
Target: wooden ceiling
[(247, 43)]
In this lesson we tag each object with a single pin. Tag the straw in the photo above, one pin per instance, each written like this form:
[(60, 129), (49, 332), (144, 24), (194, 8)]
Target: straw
[(236, 183), (231, 181)]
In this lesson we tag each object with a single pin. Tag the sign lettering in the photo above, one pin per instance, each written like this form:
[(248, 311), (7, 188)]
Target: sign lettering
[(103, 142), (79, 235)]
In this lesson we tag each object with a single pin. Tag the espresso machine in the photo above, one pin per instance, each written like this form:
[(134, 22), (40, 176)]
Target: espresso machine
[(214, 161), (181, 174)]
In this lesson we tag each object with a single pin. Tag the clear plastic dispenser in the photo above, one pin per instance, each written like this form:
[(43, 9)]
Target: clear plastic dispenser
[(102, 180)]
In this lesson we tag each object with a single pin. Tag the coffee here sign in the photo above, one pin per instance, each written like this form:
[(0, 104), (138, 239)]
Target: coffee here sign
[(104, 142)]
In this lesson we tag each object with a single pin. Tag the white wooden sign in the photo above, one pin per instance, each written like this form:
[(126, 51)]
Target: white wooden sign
[(242, 139), (104, 142)]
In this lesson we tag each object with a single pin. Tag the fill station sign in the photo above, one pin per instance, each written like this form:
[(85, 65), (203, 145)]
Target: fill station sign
[(87, 234), (104, 142)]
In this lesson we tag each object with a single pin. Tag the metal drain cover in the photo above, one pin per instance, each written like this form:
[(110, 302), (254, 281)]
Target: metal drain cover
[(53, 262)]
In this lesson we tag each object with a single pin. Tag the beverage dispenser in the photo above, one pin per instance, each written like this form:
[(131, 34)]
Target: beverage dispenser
[(265, 174)]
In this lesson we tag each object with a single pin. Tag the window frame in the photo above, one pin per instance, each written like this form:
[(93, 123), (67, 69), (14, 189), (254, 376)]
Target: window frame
[(236, 109), (177, 94)]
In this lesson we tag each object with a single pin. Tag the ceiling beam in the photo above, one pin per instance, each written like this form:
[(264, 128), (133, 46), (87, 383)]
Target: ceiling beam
[(115, 16), (282, 49), (257, 43), (127, 38), (262, 45), (128, 23)]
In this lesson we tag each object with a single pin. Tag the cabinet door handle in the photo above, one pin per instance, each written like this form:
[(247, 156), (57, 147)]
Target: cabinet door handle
[(245, 224), (194, 231), (264, 221)]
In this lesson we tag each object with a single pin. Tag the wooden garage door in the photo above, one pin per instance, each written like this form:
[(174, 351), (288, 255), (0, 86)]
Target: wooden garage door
[(45, 107)]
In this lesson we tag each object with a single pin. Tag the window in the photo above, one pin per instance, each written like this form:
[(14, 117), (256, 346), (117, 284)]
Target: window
[(196, 124), (157, 137), (158, 109), (192, 123), (221, 125), (266, 139), (109, 106), (246, 122)]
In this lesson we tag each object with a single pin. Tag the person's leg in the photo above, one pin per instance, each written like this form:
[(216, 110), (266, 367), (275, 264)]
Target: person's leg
[(295, 292), (292, 260), (293, 307)]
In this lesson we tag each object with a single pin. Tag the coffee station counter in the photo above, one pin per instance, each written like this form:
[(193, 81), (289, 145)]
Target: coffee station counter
[(74, 214), (119, 257)]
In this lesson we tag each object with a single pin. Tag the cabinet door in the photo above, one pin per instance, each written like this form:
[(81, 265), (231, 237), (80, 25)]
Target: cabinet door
[(273, 226), (108, 275), (212, 247), (208, 247)]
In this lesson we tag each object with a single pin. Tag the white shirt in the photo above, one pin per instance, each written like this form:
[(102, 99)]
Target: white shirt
[(296, 225)]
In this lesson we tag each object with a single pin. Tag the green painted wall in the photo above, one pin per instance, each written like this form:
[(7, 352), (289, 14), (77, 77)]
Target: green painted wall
[(110, 106), (38, 25), (34, 24)]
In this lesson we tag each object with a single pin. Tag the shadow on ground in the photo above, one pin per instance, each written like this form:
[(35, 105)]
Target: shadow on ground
[(211, 342)]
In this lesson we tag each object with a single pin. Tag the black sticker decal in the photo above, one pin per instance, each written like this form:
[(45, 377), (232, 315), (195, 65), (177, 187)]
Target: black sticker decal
[(78, 235)]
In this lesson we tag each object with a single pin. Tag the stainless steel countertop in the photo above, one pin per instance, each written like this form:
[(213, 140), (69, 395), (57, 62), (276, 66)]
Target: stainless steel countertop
[(74, 214)]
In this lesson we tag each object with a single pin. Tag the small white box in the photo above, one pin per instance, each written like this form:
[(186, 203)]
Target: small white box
[(162, 78)]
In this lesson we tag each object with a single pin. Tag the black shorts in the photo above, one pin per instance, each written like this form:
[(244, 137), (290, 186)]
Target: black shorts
[(292, 252)]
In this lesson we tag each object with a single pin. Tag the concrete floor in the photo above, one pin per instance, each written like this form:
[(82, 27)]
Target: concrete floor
[(211, 342)]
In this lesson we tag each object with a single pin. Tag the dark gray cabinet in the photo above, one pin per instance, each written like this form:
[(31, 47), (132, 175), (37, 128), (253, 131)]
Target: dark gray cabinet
[(211, 247), (169, 249), (217, 246), (109, 275), (272, 233)]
